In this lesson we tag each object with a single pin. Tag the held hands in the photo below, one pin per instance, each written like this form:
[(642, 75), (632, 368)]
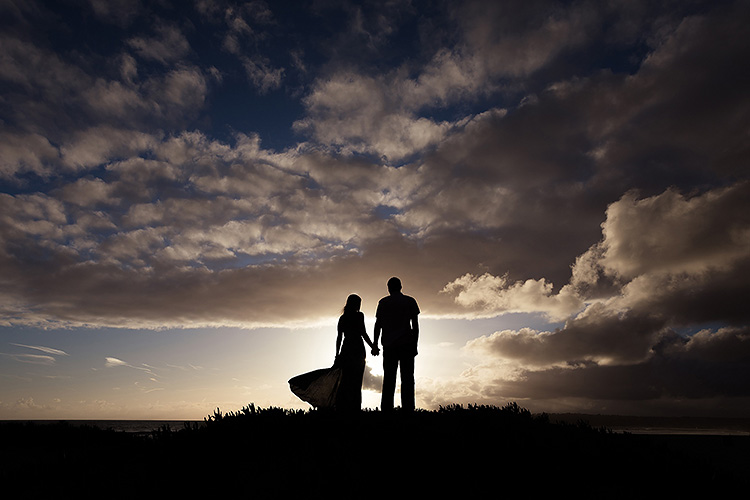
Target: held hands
[(375, 351)]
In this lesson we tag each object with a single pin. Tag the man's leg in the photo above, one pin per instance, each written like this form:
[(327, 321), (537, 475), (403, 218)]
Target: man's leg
[(390, 365), (407, 382)]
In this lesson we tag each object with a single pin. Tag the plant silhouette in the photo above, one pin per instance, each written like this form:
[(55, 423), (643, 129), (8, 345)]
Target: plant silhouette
[(463, 450)]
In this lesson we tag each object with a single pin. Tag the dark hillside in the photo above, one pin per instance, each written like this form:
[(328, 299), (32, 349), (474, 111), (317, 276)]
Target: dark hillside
[(269, 453)]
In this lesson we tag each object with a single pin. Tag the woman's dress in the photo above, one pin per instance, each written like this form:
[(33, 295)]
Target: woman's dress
[(339, 386), (318, 387), (352, 361)]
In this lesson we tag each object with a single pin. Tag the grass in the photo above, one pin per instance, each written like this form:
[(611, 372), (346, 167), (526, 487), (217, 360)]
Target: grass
[(472, 451)]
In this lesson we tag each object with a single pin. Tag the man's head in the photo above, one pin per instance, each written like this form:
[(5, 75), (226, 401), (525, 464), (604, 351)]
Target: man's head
[(394, 285)]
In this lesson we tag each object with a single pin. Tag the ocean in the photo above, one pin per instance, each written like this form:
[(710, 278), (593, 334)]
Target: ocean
[(132, 426), (686, 426)]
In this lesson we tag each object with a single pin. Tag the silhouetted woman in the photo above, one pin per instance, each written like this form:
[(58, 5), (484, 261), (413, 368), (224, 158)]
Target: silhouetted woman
[(350, 355)]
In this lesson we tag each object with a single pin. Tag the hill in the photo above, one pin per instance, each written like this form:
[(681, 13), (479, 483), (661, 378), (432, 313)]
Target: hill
[(456, 450)]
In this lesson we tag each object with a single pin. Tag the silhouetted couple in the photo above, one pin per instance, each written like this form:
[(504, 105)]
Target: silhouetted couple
[(341, 385), (397, 319)]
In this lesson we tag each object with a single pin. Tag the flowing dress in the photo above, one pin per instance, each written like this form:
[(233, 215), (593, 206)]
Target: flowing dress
[(318, 387)]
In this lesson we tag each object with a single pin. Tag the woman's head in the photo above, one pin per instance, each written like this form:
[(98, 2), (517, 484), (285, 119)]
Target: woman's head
[(353, 302)]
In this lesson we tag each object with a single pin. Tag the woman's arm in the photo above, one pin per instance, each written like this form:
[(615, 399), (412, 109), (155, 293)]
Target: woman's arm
[(367, 339), (339, 337), (365, 336)]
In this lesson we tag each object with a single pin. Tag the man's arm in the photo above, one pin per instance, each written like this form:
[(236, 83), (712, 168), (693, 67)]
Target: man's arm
[(415, 318), (415, 327)]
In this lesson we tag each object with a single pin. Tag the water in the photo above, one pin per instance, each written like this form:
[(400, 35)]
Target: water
[(131, 426), (674, 431), (673, 426)]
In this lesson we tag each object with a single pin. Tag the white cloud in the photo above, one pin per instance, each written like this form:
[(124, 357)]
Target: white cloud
[(97, 145), (117, 102), (21, 153), (48, 350), (685, 235), (31, 216), (35, 359), (111, 362), (183, 88), (359, 114), (493, 295), (86, 192), (28, 404)]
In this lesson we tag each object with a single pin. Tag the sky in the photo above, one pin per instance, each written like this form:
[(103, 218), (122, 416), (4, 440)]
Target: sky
[(190, 190)]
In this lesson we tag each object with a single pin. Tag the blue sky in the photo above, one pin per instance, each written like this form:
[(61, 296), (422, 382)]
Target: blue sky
[(190, 190)]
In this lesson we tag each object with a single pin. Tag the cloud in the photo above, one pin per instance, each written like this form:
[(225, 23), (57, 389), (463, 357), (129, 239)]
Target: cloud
[(86, 192), (244, 35), (48, 350), (696, 235), (294, 223), (652, 250), (391, 114), (684, 258), (36, 359), (496, 296), (264, 77), (39, 359), (97, 145), (696, 368), (670, 262), (111, 362), (168, 44), (28, 403), (360, 114), (69, 113), (23, 153)]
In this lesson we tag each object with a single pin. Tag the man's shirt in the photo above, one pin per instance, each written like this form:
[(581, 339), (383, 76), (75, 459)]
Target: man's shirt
[(394, 316)]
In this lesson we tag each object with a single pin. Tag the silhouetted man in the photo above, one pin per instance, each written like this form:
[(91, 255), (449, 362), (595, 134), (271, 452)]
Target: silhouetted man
[(396, 317)]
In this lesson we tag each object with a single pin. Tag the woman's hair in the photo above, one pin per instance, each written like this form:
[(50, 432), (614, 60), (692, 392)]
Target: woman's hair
[(353, 302)]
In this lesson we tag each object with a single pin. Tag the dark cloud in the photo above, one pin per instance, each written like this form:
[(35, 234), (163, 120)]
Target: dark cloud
[(709, 366), (676, 263)]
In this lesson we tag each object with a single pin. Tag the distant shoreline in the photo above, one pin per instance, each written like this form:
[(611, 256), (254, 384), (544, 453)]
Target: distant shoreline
[(130, 426), (729, 426), (699, 426)]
